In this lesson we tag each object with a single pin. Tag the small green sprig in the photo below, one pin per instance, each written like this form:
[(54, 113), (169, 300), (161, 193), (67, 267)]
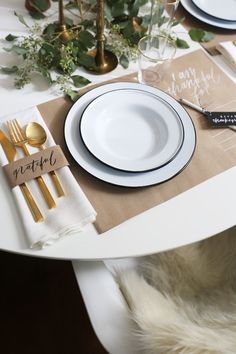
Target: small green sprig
[(43, 53)]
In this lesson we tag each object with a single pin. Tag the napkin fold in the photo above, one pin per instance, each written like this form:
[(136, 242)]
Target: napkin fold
[(228, 50), (73, 210)]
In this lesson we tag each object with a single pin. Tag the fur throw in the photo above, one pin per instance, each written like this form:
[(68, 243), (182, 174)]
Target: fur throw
[(184, 301)]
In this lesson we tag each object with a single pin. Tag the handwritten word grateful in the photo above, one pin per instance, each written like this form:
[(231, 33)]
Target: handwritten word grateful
[(35, 165), (197, 81)]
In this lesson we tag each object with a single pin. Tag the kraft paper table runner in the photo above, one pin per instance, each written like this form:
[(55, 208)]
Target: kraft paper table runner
[(215, 150), (220, 34)]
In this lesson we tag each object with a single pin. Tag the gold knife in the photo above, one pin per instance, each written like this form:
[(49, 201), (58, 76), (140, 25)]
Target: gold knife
[(10, 152)]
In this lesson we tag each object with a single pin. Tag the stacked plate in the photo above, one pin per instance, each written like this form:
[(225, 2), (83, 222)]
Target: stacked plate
[(130, 134), (217, 13)]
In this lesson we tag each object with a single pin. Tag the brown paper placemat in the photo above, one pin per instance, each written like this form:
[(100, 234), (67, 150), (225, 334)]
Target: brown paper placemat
[(220, 33), (193, 76)]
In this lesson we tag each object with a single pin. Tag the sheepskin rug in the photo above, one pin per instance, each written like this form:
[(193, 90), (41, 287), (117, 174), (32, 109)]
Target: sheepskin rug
[(184, 300)]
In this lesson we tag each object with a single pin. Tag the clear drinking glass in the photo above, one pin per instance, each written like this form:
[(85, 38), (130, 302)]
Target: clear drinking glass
[(162, 13), (155, 56)]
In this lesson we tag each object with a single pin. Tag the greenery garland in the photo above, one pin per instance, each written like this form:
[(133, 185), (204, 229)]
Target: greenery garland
[(43, 52)]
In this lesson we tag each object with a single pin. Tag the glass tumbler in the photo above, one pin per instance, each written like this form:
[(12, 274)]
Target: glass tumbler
[(162, 14), (155, 56)]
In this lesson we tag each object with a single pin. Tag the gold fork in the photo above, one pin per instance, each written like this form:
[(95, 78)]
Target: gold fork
[(19, 139)]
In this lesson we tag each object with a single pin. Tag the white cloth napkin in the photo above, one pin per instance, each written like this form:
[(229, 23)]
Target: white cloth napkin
[(228, 50), (73, 211)]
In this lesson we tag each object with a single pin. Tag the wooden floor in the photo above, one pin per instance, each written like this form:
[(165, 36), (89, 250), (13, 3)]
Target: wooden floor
[(41, 309)]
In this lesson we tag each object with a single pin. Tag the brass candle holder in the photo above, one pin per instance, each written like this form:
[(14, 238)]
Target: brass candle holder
[(105, 60), (64, 34)]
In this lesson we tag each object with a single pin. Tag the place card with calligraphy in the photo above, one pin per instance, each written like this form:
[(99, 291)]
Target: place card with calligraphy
[(221, 119), (37, 164)]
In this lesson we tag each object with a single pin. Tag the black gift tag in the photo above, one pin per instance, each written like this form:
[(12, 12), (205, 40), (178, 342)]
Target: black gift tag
[(221, 119)]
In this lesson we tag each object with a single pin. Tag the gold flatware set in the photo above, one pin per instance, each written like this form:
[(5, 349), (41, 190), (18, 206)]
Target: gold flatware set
[(34, 135), (37, 137)]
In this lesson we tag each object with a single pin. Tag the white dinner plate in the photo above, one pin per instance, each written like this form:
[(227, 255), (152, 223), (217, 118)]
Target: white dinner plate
[(201, 15), (131, 130), (224, 10), (108, 174)]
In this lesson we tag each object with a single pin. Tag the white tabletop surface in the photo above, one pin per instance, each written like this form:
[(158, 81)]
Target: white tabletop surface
[(146, 233)]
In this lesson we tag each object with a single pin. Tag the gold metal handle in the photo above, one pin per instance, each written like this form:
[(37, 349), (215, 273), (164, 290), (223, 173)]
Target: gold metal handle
[(36, 213), (55, 180), (46, 193), (42, 185), (57, 184)]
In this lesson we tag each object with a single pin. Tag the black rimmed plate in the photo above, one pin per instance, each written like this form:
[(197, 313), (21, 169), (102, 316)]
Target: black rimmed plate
[(131, 130), (108, 174)]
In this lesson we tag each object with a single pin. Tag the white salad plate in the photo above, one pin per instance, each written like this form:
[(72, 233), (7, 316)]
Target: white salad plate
[(224, 10), (131, 130), (201, 15), (122, 178)]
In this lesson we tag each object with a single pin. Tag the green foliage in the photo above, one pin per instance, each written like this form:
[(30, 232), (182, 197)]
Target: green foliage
[(10, 38), (21, 19), (180, 43), (124, 61), (199, 35), (9, 70), (79, 81), (44, 52)]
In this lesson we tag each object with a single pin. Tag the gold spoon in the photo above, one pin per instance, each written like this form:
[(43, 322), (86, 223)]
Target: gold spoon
[(37, 137)]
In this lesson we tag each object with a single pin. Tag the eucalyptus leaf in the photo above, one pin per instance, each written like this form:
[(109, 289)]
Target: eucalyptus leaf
[(86, 60), (181, 43), (50, 30), (119, 8), (199, 35), (37, 15), (80, 81), (40, 5), (87, 38), (21, 19), (128, 30), (9, 70), (122, 24), (73, 95), (107, 13), (81, 47), (17, 49), (68, 21), (208, 36), (87, 24), (124, 61), (47, 75), (196, 34), (10, 37)]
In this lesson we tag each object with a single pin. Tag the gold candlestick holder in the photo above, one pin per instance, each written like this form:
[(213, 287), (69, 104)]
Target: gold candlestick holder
[(64, 34), (105, 60)]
